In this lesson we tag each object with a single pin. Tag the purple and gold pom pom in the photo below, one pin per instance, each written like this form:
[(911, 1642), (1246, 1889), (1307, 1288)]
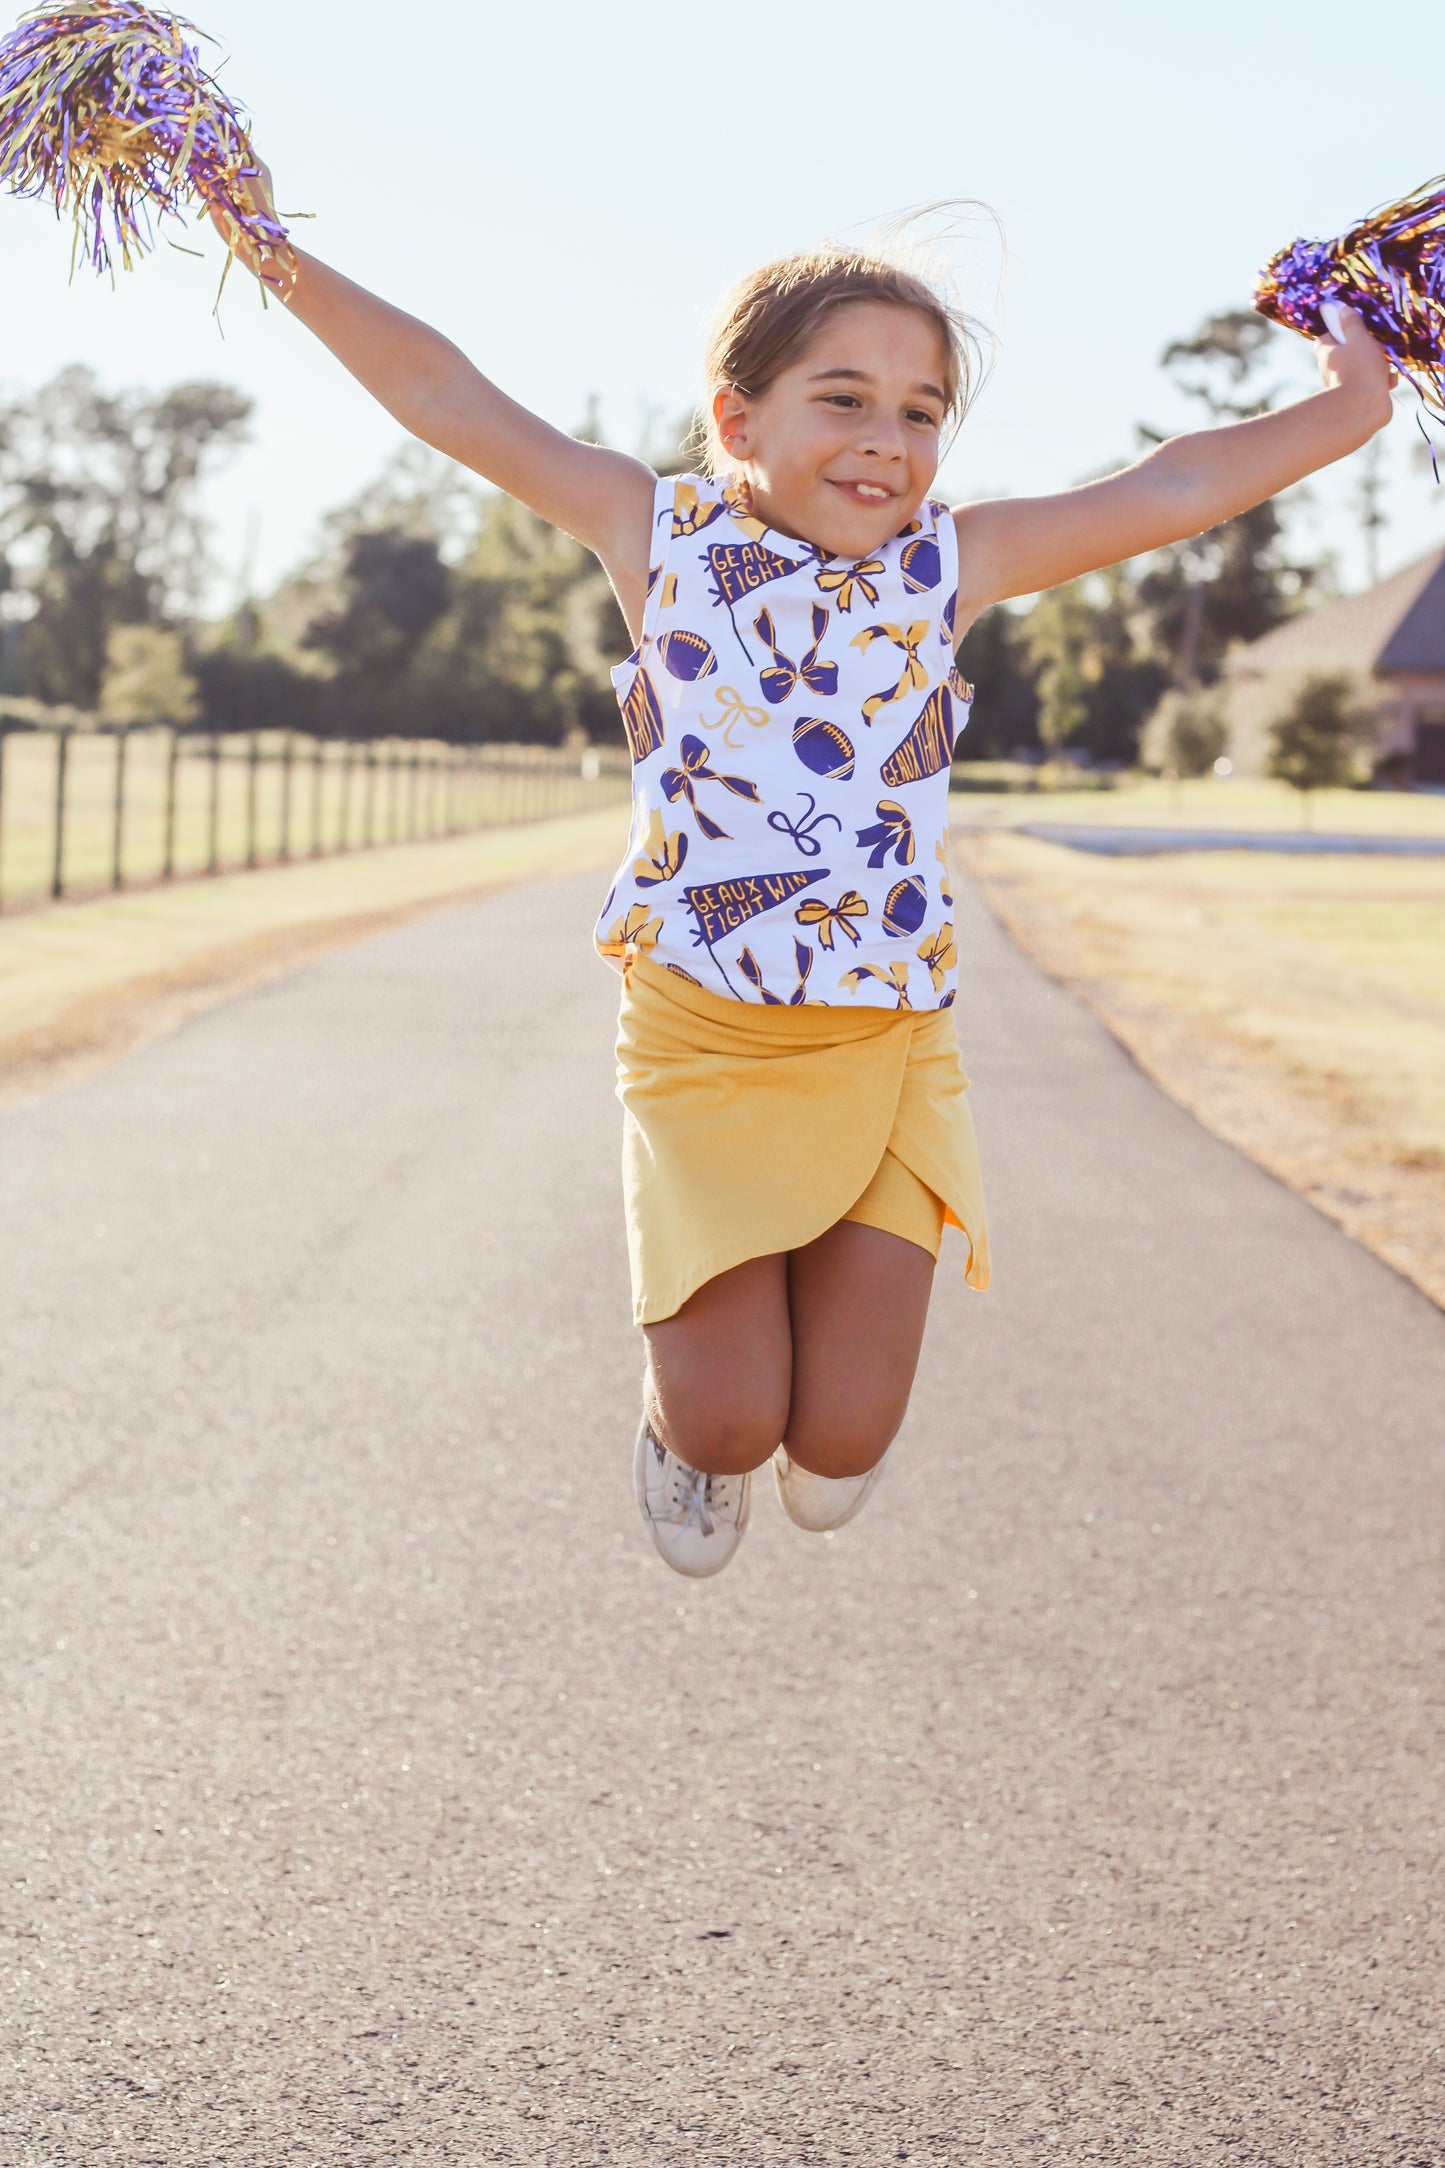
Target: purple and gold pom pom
[(1390, 269), (107, 112)]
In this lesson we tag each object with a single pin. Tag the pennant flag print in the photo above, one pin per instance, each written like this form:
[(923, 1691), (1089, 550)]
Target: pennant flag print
[(928, 747), (642, 717), (722, 906), (741, 568)]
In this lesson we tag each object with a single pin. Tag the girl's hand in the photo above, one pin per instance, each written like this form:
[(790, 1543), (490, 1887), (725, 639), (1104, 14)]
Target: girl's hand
[(275, 267), (1349, 359)]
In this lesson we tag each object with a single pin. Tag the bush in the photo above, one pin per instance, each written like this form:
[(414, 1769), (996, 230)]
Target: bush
[(1314, 742), (1186, 734)]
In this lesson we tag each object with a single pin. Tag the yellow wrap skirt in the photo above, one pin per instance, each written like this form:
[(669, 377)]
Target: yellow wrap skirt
[(750, 1129)]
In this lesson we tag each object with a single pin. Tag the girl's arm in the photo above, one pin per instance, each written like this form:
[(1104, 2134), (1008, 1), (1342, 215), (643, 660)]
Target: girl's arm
[(1017, 546), (601, 497)]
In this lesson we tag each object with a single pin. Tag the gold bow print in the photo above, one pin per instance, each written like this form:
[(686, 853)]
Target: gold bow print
[(940, 953), (841, 580), (915, 673), (831, 918), (625, 936), (662, 854), (896, 977), (732, 709), (691, 513)]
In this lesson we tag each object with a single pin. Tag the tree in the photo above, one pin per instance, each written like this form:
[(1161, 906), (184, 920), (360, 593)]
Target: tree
[(100, 522), (394, 588), (1314, 739), (1235, 582), (1186, 734), (995, 657), (146, 679), (1095, 682), (1058, 631)]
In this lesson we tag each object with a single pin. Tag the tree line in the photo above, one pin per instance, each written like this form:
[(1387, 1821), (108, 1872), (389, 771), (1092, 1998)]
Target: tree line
[(434, 607)]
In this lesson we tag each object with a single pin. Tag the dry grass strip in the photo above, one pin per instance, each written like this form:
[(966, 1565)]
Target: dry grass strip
[(1296, 1007), (81, 985)]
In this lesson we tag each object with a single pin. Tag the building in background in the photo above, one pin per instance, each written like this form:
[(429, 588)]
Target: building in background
[(1391, 638)]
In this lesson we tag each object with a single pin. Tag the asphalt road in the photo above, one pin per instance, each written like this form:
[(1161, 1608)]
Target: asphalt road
[(372, 1794)]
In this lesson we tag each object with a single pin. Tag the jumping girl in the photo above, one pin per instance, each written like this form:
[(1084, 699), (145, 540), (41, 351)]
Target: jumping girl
[(796, 1131)]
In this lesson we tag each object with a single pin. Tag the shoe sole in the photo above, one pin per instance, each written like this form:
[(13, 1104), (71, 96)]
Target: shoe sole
[(810, 1528)]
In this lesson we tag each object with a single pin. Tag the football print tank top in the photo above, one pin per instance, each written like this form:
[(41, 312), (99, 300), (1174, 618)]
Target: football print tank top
[(791, 718)]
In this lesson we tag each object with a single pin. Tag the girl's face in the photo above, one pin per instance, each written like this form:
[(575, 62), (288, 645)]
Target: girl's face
[(842, 447)]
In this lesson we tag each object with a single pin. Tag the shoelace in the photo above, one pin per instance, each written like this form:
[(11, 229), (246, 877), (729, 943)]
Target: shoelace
[(690, 1499)]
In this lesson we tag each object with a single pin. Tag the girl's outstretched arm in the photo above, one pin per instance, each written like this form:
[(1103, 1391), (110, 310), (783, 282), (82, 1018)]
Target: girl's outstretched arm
[(1018, 546), (601, 497)]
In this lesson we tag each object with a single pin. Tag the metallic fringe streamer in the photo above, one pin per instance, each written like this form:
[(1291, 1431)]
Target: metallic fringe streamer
[(107, 112), (1391, 269)]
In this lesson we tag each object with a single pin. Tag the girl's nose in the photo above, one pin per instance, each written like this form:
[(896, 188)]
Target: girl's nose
[(882, 436)]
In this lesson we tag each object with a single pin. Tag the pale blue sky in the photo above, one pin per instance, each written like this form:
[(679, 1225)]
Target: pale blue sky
[(566, 191)]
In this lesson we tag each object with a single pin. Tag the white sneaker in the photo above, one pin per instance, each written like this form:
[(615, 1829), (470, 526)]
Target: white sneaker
[(820, 1502), (697, 1520)]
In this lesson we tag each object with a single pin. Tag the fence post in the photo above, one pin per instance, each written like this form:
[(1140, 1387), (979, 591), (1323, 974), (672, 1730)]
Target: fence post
[(62, 759), (168, 860), (318, 754), (449, 802), (213, 851), (2, 815), (253, 766), (368, 818), (117, 840), (288, 755), (343, 839), (414, 793), (393, 793)]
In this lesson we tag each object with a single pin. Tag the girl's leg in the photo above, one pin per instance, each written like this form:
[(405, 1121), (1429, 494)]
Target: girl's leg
[(719, 1372), (858, 1301)]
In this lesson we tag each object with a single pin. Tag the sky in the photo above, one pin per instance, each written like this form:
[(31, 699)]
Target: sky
[(567, 191)]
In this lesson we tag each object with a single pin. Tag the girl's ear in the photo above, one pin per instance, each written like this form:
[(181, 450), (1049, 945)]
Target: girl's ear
[(730, 420)]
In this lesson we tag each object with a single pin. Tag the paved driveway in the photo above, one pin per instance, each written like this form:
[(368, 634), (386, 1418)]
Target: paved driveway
[(373, 1795)]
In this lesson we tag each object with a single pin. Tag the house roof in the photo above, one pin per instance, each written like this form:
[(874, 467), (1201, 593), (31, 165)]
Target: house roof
[(1397, 625)]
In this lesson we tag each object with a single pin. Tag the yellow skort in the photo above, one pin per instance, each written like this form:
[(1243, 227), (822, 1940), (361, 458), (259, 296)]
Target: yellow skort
[(751, 1129)]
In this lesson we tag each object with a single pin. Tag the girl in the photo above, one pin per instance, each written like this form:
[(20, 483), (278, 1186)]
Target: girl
[(796, 1132)]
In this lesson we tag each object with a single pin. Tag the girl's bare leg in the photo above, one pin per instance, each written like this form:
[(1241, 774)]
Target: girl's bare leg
[(858, 1300), (719, 1372), (815, 1350)]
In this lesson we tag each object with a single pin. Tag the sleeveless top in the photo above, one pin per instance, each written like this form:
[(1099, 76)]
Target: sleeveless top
[(791, 718)]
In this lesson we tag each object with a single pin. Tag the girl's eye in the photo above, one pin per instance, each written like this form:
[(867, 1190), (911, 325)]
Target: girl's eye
[(840, 398), (920, 414)]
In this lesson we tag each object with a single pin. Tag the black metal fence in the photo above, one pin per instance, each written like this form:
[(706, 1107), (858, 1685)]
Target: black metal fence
[(87, 811)]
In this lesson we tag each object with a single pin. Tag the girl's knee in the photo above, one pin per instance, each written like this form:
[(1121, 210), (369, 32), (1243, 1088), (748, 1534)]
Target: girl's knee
[(721, 1439), (843, 1447)]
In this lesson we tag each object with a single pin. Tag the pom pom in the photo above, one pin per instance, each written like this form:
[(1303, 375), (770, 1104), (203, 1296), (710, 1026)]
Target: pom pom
[(1391, 269), (107, 112)]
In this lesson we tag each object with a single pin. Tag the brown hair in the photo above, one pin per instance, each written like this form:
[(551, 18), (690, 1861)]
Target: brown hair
[(773, 314)]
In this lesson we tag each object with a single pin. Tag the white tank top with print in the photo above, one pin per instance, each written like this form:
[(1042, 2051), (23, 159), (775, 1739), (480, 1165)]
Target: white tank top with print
[(791, 718)]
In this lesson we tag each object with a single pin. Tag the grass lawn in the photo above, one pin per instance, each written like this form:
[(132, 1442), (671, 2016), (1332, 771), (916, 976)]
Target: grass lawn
[(81, 983), (1297, 1006), (1148, 802)]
